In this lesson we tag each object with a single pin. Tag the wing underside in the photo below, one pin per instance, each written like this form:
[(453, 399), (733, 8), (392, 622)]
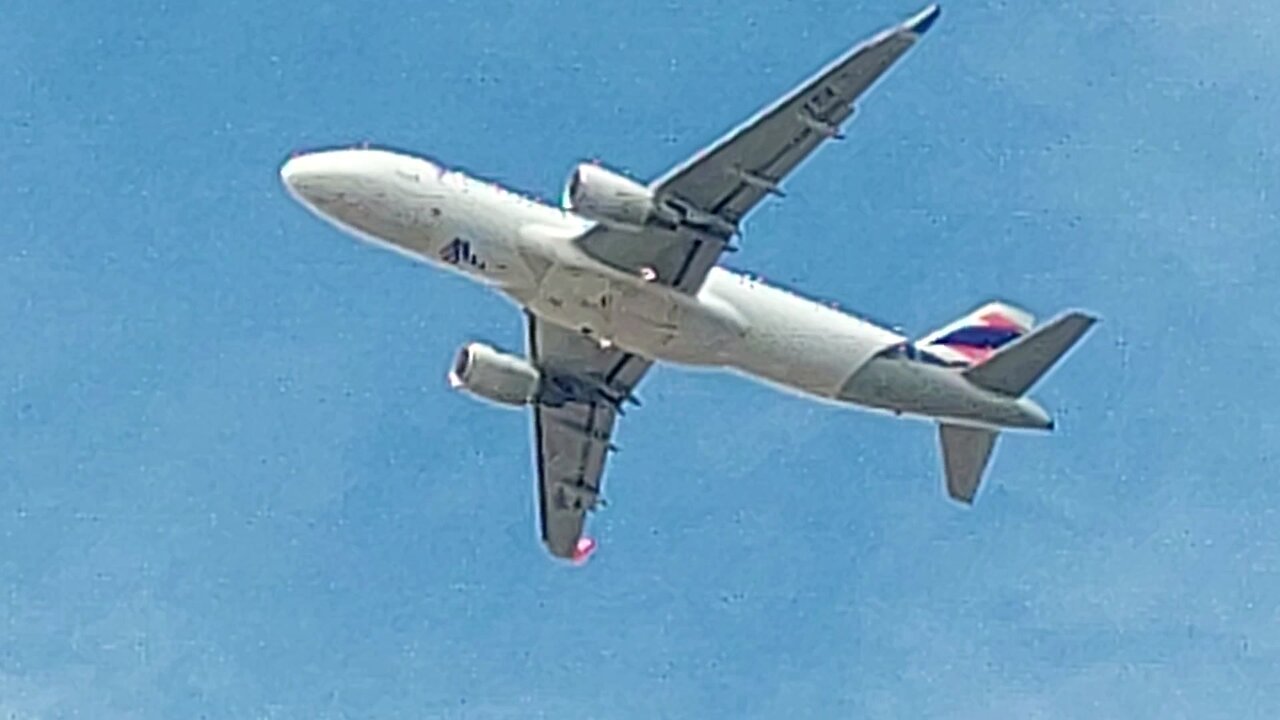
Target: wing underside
[(573, 434), (715, 189), (735, 173)]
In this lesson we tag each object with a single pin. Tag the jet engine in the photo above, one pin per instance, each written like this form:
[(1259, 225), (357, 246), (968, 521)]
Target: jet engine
[(607, 197), (494, 375)]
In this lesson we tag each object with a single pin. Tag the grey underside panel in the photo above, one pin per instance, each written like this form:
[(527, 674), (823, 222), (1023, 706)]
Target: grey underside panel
[(572, 441)]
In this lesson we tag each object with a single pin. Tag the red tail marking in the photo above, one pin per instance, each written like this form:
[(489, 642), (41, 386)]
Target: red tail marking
[(999, 320)]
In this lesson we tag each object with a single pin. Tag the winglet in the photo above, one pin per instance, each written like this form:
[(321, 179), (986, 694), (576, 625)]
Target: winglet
[(921, 23)]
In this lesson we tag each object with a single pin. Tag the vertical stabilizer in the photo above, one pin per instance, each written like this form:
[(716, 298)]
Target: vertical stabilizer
[(966, 451), (974, 338)]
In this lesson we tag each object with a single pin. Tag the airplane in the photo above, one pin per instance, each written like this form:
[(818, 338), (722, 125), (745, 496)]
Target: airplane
[(624, 274)]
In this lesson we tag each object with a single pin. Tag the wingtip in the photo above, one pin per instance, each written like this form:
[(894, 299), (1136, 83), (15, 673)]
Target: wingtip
[(583, 550), (921, 23), (1089, 319)]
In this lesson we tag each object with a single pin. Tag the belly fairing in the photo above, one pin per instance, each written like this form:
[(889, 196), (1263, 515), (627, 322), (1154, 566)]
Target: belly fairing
[(649, 320), (733, 322)]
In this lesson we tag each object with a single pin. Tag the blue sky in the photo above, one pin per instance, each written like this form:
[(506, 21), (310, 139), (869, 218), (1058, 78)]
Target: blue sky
[(233, 482)]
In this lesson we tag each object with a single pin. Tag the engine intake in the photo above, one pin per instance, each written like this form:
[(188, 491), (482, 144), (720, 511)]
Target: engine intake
[(607, 197), (494, 375)]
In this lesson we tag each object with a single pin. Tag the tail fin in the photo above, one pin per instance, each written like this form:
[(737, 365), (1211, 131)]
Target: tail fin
[(966, 451), (1016, 367), (974, 338), (1010, 366)]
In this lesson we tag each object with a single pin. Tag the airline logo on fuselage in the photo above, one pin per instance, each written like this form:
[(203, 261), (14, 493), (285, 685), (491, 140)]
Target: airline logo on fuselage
[(458, 252)]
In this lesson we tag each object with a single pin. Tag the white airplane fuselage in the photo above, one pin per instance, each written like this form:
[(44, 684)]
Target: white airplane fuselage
[(525, 250)]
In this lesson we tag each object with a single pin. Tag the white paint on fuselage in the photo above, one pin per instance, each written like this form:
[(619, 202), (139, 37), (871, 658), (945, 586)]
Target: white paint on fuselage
[(525, 250)]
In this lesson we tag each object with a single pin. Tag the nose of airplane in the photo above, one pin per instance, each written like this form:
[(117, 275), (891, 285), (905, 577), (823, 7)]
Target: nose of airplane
[(292, 169), (319, 177), (361, 190), (341, 186), (337, 183), (302, 174)]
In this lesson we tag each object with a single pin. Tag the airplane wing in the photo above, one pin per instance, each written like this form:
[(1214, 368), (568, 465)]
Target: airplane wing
[(572, 438), (718, 186)]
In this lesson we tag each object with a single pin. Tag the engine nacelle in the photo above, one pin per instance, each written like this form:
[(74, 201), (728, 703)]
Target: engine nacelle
[(607, 197), (495, 375)]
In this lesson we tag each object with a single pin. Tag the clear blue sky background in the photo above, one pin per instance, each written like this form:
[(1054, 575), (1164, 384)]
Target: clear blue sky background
[(234, 484)]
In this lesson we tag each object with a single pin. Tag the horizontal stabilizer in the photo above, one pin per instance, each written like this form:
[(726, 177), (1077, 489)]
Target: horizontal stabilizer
[(966, 452), (1017, 366)]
